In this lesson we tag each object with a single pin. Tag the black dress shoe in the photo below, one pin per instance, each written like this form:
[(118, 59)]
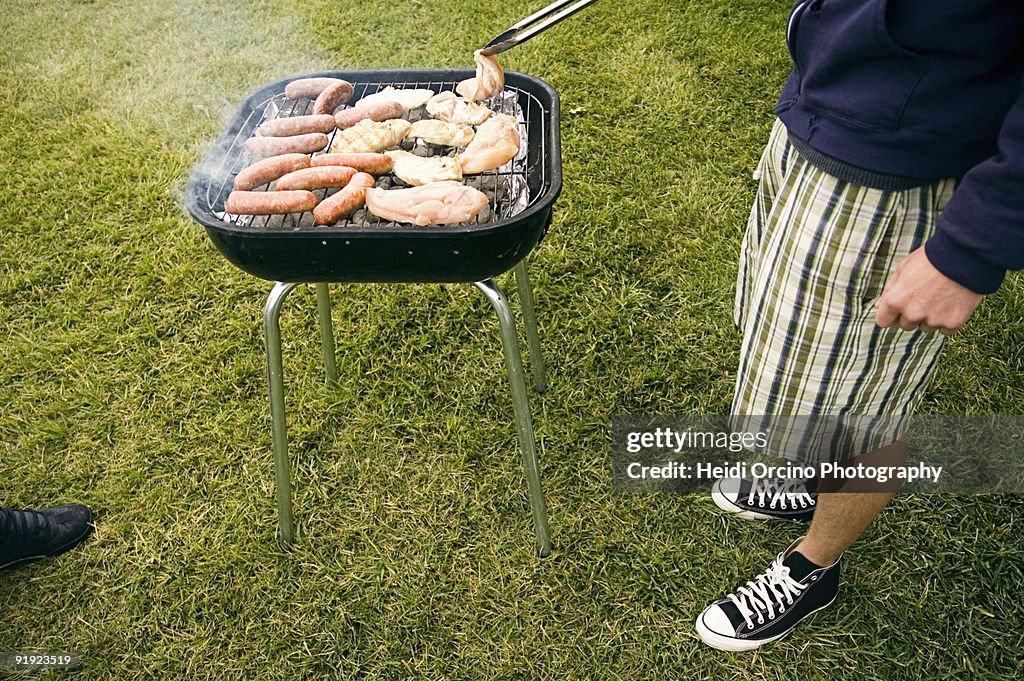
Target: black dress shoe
[(28, 535)]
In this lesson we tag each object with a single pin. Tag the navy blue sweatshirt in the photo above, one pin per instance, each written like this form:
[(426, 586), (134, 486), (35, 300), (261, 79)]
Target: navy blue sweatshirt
[(922, 90)]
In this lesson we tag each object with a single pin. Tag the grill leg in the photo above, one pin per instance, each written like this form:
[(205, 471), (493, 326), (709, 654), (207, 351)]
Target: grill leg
[(540, 381), (323, 305), (521, 407), (282, 469)]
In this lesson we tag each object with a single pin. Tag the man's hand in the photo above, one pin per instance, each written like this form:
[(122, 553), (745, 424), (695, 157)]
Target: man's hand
[(918, 296)]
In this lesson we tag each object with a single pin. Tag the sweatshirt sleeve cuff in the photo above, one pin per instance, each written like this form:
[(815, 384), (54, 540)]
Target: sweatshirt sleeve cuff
[(963, 266)]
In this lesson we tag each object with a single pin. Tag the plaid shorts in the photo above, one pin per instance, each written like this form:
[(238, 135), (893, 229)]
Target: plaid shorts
[(815, 258)]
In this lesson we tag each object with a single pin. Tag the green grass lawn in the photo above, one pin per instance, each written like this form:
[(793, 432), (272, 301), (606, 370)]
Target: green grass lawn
[(132, 377)]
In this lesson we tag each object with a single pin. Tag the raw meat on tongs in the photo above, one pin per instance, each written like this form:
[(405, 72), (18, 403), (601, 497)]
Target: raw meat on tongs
[(489, 81)]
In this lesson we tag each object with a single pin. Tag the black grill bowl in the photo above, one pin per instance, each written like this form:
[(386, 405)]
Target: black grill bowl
[(385, 253)]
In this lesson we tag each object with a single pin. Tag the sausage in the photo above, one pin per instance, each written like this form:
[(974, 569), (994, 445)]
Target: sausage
[(269, 169), (309, 87), (332, 97), (346, 201), (316, 178), (296, 125), (274, 146), (376, 111), (269, 203), (368, 162)]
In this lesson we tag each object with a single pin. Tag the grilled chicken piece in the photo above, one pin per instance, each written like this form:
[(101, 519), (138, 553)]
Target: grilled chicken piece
[(496, 143), (441, 132), (437, 203), (367, 135), (409, 99), (489, 81), (449, 107), (418, 170)]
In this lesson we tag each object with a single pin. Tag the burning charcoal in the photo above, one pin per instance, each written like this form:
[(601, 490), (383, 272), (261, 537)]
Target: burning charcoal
[(501, 193), (368, 217)]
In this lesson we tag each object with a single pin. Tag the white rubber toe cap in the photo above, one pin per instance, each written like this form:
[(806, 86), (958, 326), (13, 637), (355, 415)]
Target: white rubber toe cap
[(715, 629), (725, 492), (729, 488), (715, 621)]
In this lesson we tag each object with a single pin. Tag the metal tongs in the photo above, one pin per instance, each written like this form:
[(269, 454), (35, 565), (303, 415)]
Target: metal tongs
[(522, 31)]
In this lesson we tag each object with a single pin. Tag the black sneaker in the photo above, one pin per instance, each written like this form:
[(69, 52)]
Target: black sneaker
[(28, 535), (770, 605), (766, 498)]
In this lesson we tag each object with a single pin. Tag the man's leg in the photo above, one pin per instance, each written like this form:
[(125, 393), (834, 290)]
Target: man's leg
[(840, 518), (815, 257), (805, 577)]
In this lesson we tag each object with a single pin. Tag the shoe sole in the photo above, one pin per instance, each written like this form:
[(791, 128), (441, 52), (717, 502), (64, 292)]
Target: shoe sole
[(739, 645)]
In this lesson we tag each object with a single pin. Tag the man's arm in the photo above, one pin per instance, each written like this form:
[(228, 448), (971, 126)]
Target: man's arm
[(919, 296), (980, 235)]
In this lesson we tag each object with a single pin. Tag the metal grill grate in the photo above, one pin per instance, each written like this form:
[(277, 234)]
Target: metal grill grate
[(507, 187)]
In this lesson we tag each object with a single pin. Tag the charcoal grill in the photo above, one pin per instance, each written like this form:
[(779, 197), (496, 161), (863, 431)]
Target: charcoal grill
[(290, 250)]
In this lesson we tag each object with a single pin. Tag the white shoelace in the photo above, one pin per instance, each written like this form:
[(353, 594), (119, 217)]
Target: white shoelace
[(760, 597), (783, 491)]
